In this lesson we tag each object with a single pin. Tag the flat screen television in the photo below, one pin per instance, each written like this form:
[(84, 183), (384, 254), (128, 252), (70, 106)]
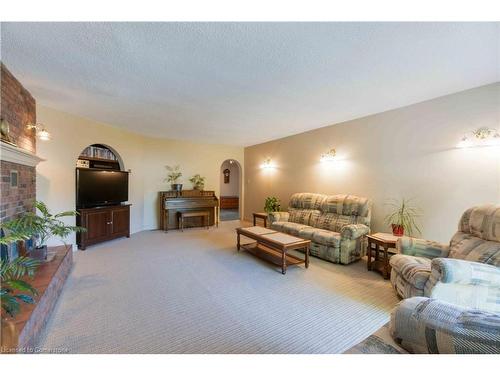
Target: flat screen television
[(96, 187)]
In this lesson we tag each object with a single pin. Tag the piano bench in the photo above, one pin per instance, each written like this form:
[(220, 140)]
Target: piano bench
[(203, 214)]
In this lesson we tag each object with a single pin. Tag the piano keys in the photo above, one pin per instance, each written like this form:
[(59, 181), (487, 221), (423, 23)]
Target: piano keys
[(173, 202)]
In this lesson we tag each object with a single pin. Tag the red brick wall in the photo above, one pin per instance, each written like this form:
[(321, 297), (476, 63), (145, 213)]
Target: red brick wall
[(18, 108), (17, 199)]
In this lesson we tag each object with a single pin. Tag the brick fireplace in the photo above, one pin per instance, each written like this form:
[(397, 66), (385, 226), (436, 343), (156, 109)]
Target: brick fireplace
[(18, 192), (17, 165)]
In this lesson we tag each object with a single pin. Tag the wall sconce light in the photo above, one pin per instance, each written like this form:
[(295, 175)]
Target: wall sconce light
[(41, 132), (480, 137), (328, 156), (268, 164)]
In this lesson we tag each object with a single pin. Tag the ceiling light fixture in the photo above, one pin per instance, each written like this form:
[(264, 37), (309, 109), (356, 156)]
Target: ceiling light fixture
[(41, 132), (328, 156), (480, 137)]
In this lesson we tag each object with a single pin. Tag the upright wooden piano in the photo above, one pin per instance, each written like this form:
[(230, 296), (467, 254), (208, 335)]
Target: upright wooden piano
[(173, 202)]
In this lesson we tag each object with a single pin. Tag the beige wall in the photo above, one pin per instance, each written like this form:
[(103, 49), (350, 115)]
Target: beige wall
[(193, 158), (145, 157), (408, 152), (231, 189)]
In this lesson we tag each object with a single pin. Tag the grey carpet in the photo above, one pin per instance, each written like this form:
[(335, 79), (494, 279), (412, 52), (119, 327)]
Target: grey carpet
[(191, 292)]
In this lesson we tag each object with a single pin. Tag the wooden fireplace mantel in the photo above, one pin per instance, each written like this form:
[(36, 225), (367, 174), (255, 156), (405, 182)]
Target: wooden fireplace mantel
[(18, 155)]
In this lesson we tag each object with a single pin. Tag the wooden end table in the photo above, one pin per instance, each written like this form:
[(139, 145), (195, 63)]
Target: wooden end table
[(384, 243), (260, 215), (274, 246)]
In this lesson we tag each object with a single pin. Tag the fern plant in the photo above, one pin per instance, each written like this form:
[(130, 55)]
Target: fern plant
[(14, 289), (39, 226)]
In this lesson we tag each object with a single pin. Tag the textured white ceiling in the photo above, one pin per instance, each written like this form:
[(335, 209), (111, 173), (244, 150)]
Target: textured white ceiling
[(244, 83)]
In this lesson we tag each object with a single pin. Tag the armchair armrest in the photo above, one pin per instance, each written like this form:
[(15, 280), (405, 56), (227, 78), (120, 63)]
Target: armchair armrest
[(278, 216), (354, 231), (421, 248), (424, 325), (461, 282), (458, 271)]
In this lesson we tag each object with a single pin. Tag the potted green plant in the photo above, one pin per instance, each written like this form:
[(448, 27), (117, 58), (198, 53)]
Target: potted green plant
[(173, 176), (402, 217), (272, 204), (40, 225), (198, 182), (14, 290)]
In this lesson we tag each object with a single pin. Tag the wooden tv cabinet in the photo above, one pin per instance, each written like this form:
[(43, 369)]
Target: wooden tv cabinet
[(102, 224)]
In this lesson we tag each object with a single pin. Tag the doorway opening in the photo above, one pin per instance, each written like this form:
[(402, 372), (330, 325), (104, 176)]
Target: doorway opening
[(230, 180)]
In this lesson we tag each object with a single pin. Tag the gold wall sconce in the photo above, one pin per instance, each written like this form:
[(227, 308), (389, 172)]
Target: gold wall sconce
[(41, 132), (328, 156), (480, 137), (268, 164)]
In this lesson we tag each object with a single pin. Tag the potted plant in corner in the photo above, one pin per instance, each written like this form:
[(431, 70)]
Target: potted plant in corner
[(198, 182), (402, 218), (14, 290), (272, 204), (36, 227), (174, 175)]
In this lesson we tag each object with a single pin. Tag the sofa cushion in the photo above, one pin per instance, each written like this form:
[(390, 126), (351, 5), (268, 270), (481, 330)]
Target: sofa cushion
[(469, 247), (482, 222), (287, 227), (307, 233), (300, 216), (331, 222), (414, 270), (278, 225), (326, 237), (346, 205), (308, 201)]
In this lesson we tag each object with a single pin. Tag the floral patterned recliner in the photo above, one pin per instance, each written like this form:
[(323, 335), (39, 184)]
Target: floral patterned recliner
[(337, 225), (466, 272)]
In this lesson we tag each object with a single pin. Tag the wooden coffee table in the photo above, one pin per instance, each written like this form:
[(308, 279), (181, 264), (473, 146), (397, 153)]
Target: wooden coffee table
[(274, 246)]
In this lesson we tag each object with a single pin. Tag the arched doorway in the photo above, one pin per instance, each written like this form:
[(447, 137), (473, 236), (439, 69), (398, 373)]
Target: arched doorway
[(230, 190)]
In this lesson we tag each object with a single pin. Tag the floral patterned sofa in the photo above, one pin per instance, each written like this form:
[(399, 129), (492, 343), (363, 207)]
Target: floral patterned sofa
[(337, 225), (465, 273), (451, 292), (429, 326)]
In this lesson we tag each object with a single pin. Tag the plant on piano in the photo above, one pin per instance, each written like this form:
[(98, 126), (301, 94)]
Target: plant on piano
[(173, 176), (198, 182)]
